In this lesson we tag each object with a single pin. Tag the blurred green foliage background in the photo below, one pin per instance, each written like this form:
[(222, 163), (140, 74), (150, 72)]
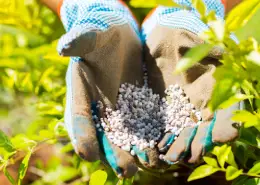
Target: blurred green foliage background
[(32, 92)]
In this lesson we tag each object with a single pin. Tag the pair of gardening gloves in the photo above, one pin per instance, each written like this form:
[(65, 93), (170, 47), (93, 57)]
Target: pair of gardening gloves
[(107, 49)]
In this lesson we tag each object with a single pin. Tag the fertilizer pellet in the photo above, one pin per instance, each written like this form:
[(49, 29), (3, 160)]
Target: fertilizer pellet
[(141, 117)]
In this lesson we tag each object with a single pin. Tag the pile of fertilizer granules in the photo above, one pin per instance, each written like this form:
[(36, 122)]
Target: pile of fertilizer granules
[(141, 118)]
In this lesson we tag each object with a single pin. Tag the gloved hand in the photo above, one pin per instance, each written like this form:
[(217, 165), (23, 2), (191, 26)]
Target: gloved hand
[(104, 42), (168, 34), (102, 38)]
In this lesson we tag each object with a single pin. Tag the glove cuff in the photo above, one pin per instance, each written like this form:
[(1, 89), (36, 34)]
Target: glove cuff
[(178, 18)]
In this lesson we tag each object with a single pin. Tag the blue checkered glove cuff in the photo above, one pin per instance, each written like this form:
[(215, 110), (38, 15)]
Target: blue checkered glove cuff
[(181, 19), (95, 14)]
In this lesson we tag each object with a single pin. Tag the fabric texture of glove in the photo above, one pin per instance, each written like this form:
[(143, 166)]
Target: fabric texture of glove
[(103, 39), (168, 33)]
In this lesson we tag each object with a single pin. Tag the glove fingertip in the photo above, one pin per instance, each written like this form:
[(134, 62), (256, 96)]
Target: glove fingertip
[(166, 142), (87, 154), (172, 157), (194, 159), (85, 141), (130, 170)]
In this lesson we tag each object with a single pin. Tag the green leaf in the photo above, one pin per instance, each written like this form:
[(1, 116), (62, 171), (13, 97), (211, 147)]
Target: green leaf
[(222, 154), (193, 56), (202, 171), (143, 3), (23, 167), (250, 29), (46, 134), (67, 148), (153, 3), (5, 142), (249, 86), (125, 181), (211, 161), (211, 16), (218, 28), (234, 99), (200, 6), (255, 181), (223, 90), (243, 116), (240, 180), (254, 56), (22, 142), (222, 72), (231, 159), (34, 40), (248, 118), (241, 14), (170, 3), (255, 169), (232, 173), (9, 177), (249, 136), (60, 174), (99, 177)]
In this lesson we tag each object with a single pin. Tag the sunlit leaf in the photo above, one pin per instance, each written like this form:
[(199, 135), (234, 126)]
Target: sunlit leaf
[(250, 29), (202, 171), (223, 154), (232, 173), (22, 142), (60, 174), (194, 55), (9, 177), (99, 177), (241, 14), (46, 134), (211, 161), (33, 39), (23, 167), (143, 3), (223, 90), (200, 6), (5, 142), (234, 99), (153, 3), (254, 56), (169, 3), (218, 28), (231, 159), (246, 117), (255, 169)]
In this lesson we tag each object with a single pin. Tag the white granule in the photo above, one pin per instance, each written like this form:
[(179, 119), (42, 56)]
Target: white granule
[(141, 118)]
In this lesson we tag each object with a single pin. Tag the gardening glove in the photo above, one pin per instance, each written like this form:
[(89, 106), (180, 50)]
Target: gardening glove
[(103, 38), (104, 44), (168, 33)]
